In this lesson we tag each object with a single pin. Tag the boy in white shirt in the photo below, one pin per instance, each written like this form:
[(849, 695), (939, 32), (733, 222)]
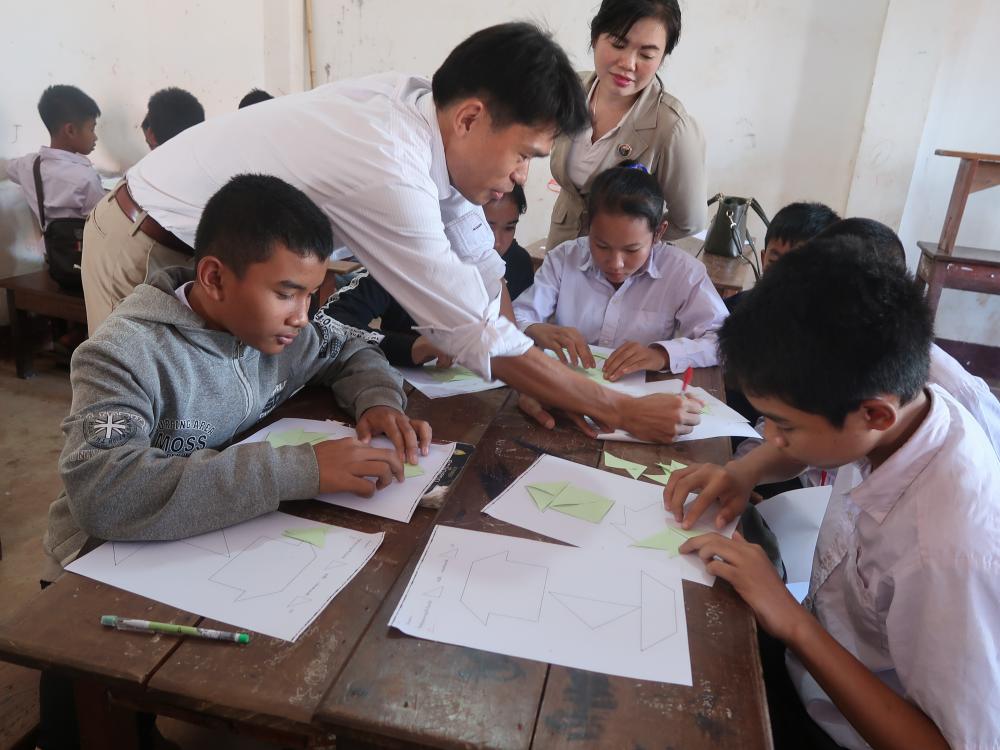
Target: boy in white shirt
[(896, 643), (620, 287)]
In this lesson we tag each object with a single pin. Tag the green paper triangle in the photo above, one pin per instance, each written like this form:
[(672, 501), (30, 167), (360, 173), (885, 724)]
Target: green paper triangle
[(593, 512), (661, 478), (613, 462), (667, 540), (314, 535), (411, 470)]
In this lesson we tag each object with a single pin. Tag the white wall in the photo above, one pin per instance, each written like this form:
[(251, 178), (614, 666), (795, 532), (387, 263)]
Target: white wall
[(964, 116)]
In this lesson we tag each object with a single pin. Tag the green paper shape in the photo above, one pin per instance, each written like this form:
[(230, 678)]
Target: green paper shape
[(635, 470), (452, 374), (668, 540), (593, 511), (543, 493), (297, 436), (573, 495), (412, 470), (661, 478), (314, 535)]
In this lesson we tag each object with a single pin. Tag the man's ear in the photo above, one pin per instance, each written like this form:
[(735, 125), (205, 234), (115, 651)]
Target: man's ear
[(467, 114), (879, 413), (212, 276), (660, 230)]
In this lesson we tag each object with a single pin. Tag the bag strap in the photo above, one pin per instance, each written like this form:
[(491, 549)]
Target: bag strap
[(39, 192)]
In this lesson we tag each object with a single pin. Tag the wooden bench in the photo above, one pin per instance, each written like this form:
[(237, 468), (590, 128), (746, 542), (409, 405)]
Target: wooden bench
[(36, 293)]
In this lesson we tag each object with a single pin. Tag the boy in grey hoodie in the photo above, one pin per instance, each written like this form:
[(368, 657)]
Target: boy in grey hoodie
[(195, 357)]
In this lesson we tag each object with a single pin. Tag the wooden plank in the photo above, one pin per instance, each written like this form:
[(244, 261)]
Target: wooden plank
[(18, 704), (976, 155), (960, 254), (61, 629)]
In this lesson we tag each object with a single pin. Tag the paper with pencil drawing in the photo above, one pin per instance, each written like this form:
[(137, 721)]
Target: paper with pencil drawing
[(637, 513), (398, 500), (254, 575), (436, 382), (619, 615)]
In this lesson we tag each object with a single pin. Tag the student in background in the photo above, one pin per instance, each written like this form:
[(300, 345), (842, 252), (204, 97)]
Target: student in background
[(632, 117), (364, 299), (70, 184), (170, 111), (896, 644), (254, 96), (621, 287)]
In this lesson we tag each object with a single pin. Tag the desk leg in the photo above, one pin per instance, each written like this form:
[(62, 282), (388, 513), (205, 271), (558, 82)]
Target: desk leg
[(103, 724), (935, 285), (20, 329)]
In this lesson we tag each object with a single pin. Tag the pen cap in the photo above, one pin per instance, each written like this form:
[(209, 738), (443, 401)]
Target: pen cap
[(109, 620)]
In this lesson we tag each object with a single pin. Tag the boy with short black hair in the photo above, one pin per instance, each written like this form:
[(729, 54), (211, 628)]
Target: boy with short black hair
[(198, 356), (895, 646), (254, 96), (70, 184), (170, 111)]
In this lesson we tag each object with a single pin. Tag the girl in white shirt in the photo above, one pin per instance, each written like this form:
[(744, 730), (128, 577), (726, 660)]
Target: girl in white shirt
[(622, 288)]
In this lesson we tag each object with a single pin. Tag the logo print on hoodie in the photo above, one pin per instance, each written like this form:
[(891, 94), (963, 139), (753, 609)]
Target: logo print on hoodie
[(109, 429)]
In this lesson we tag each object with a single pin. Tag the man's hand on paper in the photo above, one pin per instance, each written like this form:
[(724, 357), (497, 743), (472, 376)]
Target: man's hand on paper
[(567, 343)]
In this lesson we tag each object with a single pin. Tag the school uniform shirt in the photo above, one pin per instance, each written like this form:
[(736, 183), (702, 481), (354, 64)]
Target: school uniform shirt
[(906, 576), (369, 152), (669, 301), (70, 184), (970, 391)]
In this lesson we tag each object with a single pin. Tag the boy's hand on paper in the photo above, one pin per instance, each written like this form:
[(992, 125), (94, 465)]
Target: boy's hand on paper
[(411, 437), (661, 417), (348, 465), (424, 351), (712, 483), (567, 343), (633, 357), (747, 567)]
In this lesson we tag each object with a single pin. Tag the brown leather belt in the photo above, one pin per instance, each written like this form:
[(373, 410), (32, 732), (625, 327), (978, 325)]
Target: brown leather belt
[(149, 226)]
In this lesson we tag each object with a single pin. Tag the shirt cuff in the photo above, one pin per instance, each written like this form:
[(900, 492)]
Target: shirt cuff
[(685, 353)]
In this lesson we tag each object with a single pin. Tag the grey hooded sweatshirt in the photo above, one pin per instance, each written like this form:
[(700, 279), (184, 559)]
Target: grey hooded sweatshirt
[(156, 398)]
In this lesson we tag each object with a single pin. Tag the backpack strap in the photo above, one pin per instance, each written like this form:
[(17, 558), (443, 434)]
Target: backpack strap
[(39, 192)]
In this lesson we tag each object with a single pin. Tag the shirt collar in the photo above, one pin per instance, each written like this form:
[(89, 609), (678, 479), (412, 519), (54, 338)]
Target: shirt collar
[(649, 267), (59, 154), (439, 163), (881, 489)]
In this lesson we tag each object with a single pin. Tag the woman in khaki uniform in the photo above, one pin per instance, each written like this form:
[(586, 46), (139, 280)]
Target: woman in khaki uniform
[(632, 117)]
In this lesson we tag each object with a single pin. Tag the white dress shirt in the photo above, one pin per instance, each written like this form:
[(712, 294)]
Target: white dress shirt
[(970, 391), (369, 153), (906, 577), (669, 301), (70, 184)]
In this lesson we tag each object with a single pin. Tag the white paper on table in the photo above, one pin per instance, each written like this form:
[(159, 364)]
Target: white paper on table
[(709, 427), (578, 608), (637, 513), (248, 575), (421, 379), (795, 517), (630, 384), (398, 500)]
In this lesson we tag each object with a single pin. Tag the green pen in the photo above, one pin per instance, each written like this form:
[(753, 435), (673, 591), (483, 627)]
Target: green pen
[(122, 623)]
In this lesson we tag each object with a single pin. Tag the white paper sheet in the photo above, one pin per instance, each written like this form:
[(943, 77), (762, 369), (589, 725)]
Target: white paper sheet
[(795, 517), (248, 575), (578, 608), (398, 500), (422, 379), (637, 513), (709, 427)]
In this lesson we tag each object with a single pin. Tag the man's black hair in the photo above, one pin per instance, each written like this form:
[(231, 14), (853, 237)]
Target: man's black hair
[(521, 74), (800, 222), (616, 17), (827, 328), (517, 195), (874, 235), (251, 214), (62, 104), (627, 189), (171, 111), (254, 96)]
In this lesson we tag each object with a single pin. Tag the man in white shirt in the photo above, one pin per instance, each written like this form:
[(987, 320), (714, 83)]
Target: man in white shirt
[(896, 644), (401, 166)]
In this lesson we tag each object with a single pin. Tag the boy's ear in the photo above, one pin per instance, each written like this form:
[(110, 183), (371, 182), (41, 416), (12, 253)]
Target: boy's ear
[(660, 230), (211, 275), (879, 413)]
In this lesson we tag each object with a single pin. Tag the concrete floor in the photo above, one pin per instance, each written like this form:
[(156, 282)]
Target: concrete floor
[(30, 442)]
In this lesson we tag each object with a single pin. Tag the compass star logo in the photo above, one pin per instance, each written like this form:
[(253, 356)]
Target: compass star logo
[(109, 429)]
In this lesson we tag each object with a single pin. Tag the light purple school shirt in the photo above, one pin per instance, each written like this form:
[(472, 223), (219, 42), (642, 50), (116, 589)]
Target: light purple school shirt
[(71, 185), (906, 576), (669, 301), (970, 391)]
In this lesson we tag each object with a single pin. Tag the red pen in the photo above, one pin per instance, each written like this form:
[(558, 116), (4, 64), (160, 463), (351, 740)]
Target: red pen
[(687, 378), (822, 478)]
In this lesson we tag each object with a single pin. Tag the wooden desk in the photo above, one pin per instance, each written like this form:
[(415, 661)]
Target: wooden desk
[(350, 677)]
